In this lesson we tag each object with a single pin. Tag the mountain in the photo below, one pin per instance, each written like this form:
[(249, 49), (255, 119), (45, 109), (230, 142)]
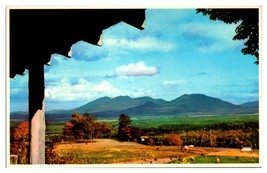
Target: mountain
[(120, 103), (251, 104), (142, 106), (187, 104), (190, 104), (200, 103), (149, 108)]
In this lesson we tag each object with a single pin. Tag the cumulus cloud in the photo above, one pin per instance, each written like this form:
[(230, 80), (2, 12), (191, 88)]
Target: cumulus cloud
[(140, 92), (106, 87), (83, 90), (134, 70)]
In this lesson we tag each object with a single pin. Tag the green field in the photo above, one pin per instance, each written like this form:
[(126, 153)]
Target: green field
[(157, 121), (180, 121), (54, 128), (223, 159)]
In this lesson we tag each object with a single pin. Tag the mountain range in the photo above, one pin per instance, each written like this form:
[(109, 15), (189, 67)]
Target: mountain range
[(147, 106), (187, 104)]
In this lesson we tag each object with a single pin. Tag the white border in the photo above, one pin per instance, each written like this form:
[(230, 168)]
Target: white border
[(136, 4)]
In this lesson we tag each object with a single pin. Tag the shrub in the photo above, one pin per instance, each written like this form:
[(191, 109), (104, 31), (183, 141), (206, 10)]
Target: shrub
[(172, 139), (150, 141)]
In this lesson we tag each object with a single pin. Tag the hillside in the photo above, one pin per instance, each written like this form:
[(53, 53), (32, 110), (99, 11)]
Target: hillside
[(185, 104), (250, 104), (119, 103), (190, 104)]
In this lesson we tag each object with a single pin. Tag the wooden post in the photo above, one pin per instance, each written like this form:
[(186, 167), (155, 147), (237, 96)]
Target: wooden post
[(36, 115), (38, 138), (14, 159)]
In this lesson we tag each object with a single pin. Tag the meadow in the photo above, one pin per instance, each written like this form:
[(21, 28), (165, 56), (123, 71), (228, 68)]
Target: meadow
[(108, 151), (223, 160)]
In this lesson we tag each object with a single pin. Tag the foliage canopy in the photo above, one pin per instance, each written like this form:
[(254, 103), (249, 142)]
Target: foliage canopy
[(86, 126)]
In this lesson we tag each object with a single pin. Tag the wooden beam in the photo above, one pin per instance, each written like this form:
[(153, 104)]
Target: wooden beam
[(36, 115), (38, 138)]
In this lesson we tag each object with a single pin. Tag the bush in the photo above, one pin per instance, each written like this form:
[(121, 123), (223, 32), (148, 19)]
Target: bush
[(56, 138), (20, 149), (172, 140), (149, 141)]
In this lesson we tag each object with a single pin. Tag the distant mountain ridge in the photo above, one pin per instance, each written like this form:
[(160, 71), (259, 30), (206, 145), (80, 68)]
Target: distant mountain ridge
[(142, 106), (116, 104), (187, 104), (250, 104)]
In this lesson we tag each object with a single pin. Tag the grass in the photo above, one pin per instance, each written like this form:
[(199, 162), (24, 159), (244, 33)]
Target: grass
[(114, 152), (54, 128), (191, 120), (102, 156), (155, 121), (223, 159)]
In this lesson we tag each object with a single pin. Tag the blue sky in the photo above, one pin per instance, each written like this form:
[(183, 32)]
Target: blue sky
[(179, 52)]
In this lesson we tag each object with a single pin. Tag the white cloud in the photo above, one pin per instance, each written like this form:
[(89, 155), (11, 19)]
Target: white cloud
[(140, 92), (83, 90), (138, 69), (106, 88), (146, 44)]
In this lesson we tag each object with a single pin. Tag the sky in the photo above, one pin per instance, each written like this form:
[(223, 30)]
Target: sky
[(179, 52)]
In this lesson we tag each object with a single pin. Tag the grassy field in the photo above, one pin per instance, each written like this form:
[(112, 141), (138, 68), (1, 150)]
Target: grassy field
[(222, 159), (54, 128), (191, 120), (156, 121), (107, 151)]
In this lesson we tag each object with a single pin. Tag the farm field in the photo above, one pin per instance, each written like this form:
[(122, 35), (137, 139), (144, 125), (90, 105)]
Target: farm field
[(182, 121), (108, 151)]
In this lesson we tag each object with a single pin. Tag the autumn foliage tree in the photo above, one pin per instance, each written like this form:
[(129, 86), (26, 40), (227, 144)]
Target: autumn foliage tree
[(172, 139), (85, 127), (21, 133), (19, 142)]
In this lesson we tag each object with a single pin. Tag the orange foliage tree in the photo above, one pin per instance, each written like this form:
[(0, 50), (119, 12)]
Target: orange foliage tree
[(19, 142), (172, 139), (21, 133), (86, 126)]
